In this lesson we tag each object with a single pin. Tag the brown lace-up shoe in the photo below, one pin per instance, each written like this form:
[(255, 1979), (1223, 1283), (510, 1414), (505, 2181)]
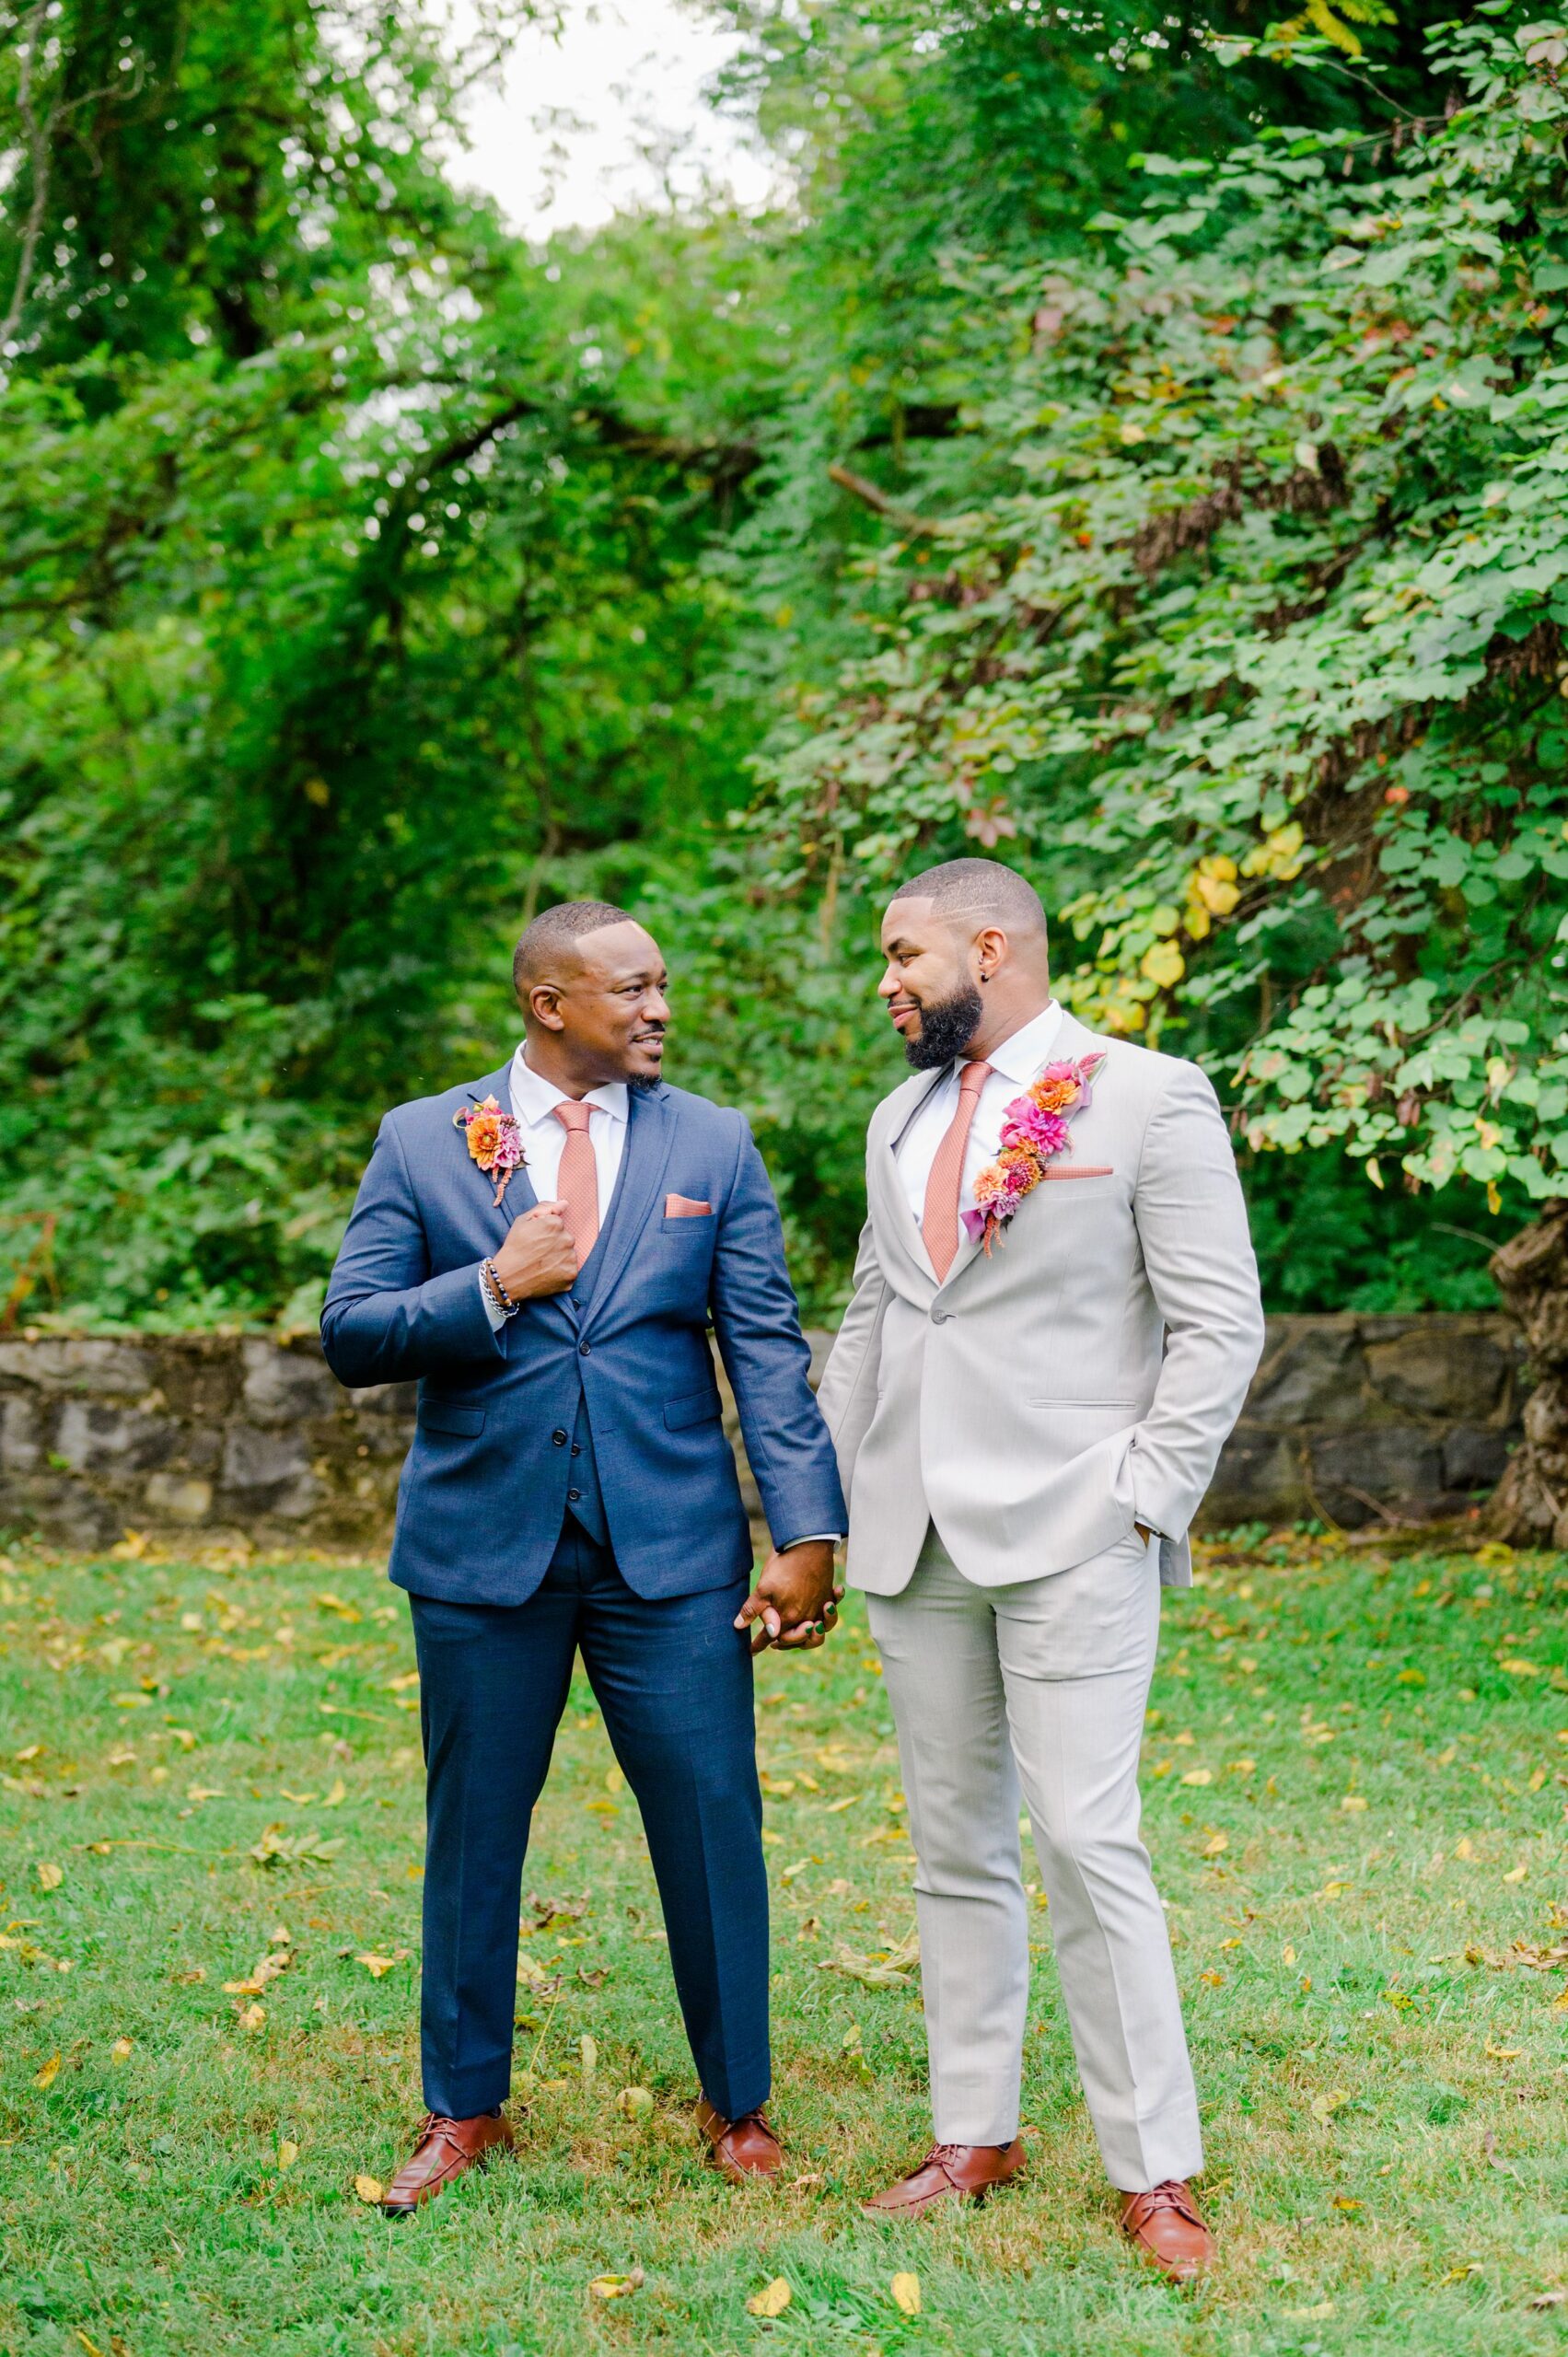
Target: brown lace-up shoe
[(1167, 2226), (744, 2149), (948, 2172), (445, 2149)]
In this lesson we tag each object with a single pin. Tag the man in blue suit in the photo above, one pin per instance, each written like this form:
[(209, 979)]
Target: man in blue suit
[(545, 1251)]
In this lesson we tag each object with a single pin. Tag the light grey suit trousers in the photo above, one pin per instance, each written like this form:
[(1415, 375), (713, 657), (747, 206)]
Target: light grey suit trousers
[(1043, 1687)]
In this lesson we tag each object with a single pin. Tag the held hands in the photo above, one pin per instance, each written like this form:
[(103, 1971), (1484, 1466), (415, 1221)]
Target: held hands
[(794, 1603), (538, 1256)]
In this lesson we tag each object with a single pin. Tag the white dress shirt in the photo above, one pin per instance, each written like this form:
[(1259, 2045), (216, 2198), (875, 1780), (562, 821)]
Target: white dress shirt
[(1015, 1065), (534, 1100)]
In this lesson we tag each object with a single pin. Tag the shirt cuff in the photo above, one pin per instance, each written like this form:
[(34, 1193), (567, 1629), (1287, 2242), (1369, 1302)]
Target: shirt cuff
[(814, 1538), (497, 1316)]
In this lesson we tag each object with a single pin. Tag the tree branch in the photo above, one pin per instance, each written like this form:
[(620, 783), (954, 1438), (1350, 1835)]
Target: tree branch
[(917, 526)]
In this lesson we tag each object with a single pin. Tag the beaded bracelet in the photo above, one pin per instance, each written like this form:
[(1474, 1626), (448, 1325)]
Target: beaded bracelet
[(496, 1290)]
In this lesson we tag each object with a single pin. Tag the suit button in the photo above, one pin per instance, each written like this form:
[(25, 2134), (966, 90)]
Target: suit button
[(576, 1449), (573, 1496), (584, 1348), (940, 1316), (559, 1437)]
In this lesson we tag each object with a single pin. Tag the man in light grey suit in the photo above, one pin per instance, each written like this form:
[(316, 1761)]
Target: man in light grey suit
[(1025, 1433)]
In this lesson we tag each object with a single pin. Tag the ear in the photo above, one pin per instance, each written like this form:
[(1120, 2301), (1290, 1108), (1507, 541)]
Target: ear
[(542, 1007), (990, 951)]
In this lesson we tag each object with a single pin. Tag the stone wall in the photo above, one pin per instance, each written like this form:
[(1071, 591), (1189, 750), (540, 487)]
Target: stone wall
[(1353, 1420)]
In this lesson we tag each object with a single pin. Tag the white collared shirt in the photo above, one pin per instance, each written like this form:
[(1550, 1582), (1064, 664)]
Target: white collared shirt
[(534, 1100), (1017, 1063)]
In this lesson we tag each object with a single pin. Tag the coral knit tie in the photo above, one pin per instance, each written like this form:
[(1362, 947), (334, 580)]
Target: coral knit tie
[(577, 1181), (940, 1225)]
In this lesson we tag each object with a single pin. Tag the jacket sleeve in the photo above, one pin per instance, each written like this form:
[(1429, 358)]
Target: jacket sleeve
[(765, 1355), (847, 1393), (386, 1319), (1197, 1254)]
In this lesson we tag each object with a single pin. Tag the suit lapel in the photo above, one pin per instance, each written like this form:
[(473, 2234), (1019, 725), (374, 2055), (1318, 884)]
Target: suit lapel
[(1073, 1040), (650, 1134), (519, 1195), (898, 1223)]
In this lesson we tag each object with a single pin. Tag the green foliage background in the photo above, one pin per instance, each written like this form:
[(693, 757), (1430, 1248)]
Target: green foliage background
[(1133, 444)]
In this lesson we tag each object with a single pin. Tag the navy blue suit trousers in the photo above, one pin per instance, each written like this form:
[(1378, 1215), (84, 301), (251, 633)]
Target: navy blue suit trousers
[(673, 1679)]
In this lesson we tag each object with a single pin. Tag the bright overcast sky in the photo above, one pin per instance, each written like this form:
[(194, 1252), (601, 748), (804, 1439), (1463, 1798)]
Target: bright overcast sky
[(565, 142)]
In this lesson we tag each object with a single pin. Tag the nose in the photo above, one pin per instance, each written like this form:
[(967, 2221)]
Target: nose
[(888, 985), (655, 1007)]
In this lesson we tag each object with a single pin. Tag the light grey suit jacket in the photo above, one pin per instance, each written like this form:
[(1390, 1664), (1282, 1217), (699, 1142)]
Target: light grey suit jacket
[(1079, 1380)]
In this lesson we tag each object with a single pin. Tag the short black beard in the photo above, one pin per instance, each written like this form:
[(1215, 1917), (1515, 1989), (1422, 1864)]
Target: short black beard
[(643, 1086), (946, 1026)]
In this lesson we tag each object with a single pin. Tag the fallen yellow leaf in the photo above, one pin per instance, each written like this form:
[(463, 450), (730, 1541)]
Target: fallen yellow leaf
[(615, 1781), (616, 2287), (1353, 1801), (1516, 1874), (50, 1877), (1216, 1845), (775, 2297), (1303, 2315), (1289, 1956), (587, 2048), (1199, 1776), (369, 2189), (50, 2073), (1464, 1848), (400, 1685), (253, 2017), (906, 2294), (120, 2051), (376, 1964), (1325, 2106), (288, 2152), (1503, 2053)]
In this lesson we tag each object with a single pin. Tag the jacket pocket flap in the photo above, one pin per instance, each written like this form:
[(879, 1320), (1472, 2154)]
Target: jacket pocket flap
[(446, 1416), (693, 1408)]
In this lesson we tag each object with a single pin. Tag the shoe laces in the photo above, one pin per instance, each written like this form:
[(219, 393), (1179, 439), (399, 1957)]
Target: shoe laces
[(1171, 2194)]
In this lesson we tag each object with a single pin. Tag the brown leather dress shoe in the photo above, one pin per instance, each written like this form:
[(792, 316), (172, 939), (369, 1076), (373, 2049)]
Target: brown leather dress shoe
[(948, 2172), (445, 2148), (1168, 2228), (744, 2149)]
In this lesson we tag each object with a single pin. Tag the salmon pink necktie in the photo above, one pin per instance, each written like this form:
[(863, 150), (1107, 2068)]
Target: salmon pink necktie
[(577, 1181), (940, 1225)]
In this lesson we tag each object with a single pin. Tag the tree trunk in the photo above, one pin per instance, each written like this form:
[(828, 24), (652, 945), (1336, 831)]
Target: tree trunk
[(1530, 1506)]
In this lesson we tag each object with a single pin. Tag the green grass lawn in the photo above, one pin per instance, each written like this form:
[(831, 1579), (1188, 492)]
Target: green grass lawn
[(1356, 1777)]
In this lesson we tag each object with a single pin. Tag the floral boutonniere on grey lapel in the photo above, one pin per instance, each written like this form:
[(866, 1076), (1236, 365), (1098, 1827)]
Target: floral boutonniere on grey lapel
[(494, 1141), (1034, 1131)]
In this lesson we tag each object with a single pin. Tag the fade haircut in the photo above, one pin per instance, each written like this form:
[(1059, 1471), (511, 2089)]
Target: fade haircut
[(554, 929), (980, 887)]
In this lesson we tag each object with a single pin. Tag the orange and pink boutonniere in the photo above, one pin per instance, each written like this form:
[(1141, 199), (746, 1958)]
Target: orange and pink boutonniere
[(494, 1141), (1034, 1131)]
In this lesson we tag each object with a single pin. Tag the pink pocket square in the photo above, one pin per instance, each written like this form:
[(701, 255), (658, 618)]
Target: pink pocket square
[(682, 1207), (1077, 1170)]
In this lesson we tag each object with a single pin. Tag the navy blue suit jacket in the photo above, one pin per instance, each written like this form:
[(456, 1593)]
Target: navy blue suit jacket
[(484, 1492)]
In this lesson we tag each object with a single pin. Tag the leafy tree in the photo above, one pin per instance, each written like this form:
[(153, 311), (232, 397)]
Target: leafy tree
[(1249, 638)]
